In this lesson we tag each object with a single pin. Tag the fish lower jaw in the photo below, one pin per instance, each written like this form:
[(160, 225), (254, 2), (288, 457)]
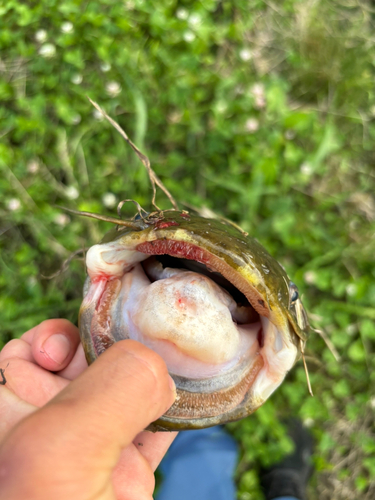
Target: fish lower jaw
[(204, 389)]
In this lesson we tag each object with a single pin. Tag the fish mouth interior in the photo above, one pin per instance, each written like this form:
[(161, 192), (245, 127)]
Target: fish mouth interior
[(243, 314), (167, 261), (207, 348), (218, 342)]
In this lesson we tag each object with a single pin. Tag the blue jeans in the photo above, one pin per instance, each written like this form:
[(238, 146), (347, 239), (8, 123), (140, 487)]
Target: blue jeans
[(200, 466)]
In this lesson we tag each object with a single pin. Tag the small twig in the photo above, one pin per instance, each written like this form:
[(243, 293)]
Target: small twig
[(328, 343), (301, 343), (227, 221), (154, 179), (29, 202), (114, 220), (6, 132), (139, 208), (5, 229)]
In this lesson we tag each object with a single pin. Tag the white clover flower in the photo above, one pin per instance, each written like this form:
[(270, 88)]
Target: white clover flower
[(72, 192), (251, 125), (67, 27), (175, 116), (221, 106), (310, 277), (76, 119), (188, 36), (47, 50), (98, 115), (259, 103), (14, 204), (351, 289), (113, 89), (182, 14), (351, 329), (289, 134), (308, 422), (62, 219), (245, 54), (109, 200), (33, 166), (32, 281), (306, 168), (195, 20), (76, 79), (105, 67), (41, 36), (257, 90)]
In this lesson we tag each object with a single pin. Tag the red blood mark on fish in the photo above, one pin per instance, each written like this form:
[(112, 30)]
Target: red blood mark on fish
[(180, 302), (185, 215), (101, 277), (164, 225)]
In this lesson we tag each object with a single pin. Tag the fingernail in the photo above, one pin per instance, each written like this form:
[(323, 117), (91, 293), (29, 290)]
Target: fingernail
[(57, 348)]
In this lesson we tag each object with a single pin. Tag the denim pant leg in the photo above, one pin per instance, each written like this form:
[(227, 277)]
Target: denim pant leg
[(200, 465)]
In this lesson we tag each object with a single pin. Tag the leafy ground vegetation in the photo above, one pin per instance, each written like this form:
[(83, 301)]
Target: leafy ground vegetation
[(260, 111)]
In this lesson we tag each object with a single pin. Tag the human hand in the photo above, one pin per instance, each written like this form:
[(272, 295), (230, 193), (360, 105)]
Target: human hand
[(86, 442)]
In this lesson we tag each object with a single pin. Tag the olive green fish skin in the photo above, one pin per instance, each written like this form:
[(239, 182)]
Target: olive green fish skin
[(242, 252)]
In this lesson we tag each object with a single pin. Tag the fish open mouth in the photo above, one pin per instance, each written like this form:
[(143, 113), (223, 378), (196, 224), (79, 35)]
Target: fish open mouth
[(222, 343)]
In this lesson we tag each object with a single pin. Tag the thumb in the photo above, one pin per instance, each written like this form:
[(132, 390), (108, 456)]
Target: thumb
[(69, 448)]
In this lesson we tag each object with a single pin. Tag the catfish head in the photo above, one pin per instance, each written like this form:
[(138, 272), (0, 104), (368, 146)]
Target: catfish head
[(210, 300)]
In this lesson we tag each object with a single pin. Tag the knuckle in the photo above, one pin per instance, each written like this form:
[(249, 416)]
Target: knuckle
[(13, 349)]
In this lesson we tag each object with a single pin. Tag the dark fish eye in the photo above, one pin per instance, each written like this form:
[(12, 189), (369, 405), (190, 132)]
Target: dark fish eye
[(294, 296), (293, 292)]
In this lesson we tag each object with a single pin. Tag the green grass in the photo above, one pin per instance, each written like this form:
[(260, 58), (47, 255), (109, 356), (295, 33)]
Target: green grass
[(261, 112)]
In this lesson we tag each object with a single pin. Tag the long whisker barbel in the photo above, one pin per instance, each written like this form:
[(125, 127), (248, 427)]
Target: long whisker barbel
[(114, 220)]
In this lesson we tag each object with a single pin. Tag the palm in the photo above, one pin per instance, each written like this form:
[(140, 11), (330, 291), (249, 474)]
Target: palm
[(30, 384)]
